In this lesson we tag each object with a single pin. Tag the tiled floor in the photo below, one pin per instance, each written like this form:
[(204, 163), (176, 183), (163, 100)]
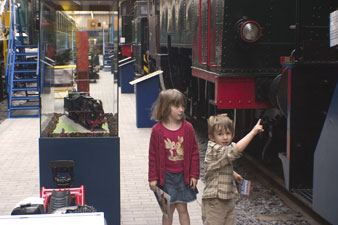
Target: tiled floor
[(19, 167), (19, 162), (138, 204)]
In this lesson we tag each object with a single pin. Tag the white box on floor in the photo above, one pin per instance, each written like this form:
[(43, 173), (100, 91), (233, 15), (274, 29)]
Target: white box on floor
[(55, 219)]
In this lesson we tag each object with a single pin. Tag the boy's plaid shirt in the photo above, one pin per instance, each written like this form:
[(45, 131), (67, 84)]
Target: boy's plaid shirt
[(219, 178)]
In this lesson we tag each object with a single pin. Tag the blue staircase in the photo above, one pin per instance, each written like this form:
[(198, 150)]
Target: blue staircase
[(108, 56), (22, 75)]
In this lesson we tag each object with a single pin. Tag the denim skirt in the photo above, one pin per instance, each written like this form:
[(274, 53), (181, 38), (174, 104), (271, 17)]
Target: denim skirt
[(178, 190)]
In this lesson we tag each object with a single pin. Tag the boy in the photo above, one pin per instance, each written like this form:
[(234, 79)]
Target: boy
[(219, 195)]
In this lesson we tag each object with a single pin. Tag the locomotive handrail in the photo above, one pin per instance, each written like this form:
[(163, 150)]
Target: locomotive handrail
[(209, 19), (200, 34)]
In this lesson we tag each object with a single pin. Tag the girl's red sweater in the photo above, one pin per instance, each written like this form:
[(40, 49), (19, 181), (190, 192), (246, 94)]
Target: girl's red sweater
[(157, 154)]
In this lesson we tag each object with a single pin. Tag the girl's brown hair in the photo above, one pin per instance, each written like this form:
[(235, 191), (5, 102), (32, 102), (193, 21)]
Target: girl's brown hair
[(166, 98), (220, 122)]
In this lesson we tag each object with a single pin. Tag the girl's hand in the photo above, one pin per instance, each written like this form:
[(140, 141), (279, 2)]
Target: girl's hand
[(258, 127), (193, 183), (152, 185)]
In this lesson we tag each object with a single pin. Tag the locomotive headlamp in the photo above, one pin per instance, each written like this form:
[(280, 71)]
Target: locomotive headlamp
[(250, 31)]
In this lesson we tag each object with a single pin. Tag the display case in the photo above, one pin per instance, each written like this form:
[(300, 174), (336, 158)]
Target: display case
[(78, 95), (79, 98)]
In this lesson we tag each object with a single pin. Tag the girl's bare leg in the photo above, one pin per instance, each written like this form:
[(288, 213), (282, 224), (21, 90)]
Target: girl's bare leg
[(183, 214), (165, 220)]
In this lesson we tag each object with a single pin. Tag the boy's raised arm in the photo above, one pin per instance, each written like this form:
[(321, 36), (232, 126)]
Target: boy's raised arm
[(243, 143)]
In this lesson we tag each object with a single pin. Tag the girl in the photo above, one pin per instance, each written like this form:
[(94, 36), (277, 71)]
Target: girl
[(173, 154)]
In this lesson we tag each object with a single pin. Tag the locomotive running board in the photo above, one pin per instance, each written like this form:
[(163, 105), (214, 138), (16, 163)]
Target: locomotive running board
[(232, 92)]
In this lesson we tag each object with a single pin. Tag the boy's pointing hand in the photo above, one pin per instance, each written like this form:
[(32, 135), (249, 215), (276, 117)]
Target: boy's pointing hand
[(258, 128)]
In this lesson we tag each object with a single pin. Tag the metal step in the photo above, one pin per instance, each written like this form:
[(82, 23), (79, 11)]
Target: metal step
[(29, 80), (305, 193), (25, 71), (19, 98), (25, 116), (25, 62), (26, 54), (28, 107), (25, 89), (26, 46)]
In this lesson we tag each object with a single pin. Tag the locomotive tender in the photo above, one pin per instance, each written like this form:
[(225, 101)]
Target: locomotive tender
[(258, 59)]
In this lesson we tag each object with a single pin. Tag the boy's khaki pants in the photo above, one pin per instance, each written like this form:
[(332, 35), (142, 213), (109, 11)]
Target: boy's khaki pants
[(217, 211)]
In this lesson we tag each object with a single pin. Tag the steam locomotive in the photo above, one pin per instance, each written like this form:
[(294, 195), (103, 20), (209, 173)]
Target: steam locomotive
[(254, 59), (85, 110)]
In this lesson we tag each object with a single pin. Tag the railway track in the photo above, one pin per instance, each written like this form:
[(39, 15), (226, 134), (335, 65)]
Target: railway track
[(276, 184), (269, 202)]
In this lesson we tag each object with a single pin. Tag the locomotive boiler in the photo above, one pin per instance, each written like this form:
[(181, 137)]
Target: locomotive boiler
[(258, 59)]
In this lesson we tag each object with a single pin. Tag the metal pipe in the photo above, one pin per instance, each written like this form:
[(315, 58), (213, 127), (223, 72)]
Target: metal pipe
[(200, 34), (298, 28), (209, 32)]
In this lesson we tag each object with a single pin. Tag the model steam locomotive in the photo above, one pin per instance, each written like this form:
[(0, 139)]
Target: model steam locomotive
[(85, 110), (254, 59)]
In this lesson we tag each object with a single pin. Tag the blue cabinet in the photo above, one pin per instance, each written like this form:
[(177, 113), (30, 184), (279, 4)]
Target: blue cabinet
[(147, 89)]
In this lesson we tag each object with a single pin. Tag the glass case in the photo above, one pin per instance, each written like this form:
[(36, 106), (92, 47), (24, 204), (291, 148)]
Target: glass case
[(79, 93)]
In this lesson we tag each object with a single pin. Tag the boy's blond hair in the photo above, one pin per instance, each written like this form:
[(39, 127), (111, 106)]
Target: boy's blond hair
[(167, 98), (220, 122)]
